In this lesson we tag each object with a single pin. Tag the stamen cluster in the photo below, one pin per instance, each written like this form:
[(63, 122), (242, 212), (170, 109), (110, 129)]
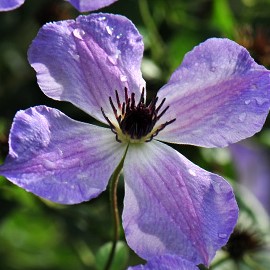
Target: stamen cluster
[(136, 123)]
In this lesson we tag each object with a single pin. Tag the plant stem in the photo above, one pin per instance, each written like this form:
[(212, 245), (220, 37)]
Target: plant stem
[(157, 45), (115, 213)]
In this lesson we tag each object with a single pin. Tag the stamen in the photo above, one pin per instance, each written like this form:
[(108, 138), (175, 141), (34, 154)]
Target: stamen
[(160, 105), (153, 103), (162, 113), (132, 101), (136, 122), (123, 108), (142, 97), (113, 107), (108, 121), (117, 99), (126, 95)]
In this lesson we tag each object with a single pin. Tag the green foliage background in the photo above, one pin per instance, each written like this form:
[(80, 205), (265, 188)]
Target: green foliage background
[(35, 234)]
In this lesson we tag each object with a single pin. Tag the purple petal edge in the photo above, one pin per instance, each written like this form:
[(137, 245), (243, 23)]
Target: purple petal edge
[(172, 206), (60, 159), (90, 5), (218, 95), (7, 5), (84, 61), (166, 262)]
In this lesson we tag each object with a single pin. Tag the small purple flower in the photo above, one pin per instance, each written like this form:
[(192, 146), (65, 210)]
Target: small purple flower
[(81, 5), (166, 262), (6, 5), (218, 96), (90, 5), (252, 166)]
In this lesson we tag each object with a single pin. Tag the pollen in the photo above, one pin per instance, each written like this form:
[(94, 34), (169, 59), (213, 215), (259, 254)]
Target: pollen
[(136, 122)]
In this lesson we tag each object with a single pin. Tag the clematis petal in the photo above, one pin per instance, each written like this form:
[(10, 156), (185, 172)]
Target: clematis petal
[(58, 158), (166, 262), (90, 5), (6, 5), (172, 206), (218, 96), (86, 60)]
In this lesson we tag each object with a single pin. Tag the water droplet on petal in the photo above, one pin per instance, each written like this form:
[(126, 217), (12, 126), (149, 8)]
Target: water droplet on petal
[(247, 101), (254, 87), (109, 30), (112, 60), (261, 101), (242, 117), (102, 18), (114, 57), (213, 69), (193, 173), (123, 78), (222, 235), (60, 152), (119, 36), (49, 165), (79, 33)]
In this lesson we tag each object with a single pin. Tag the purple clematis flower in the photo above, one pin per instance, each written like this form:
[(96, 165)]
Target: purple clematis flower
[(81, 5), (166, 262), (218, 96)]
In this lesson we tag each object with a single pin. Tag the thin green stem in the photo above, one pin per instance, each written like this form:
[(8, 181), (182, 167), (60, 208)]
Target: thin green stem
[(157, 45), (115, 213)]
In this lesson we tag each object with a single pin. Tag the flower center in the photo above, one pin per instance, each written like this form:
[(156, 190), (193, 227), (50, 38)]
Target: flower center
[(136, 123)]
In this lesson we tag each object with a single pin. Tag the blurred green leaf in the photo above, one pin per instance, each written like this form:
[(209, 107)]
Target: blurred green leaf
[(120, 258), (223, 18)]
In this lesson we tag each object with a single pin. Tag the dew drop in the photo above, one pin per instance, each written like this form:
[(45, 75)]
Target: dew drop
[(49, 165), (123, 78), (114, 58), (76, 57), (242, 117), (79, 33), (222, 235), (247, 101), (261, 101), (254, 87), (217, 187), (102, 18), (109, 30), (193, 173), (119, 36), (213, 69), (60, 152)]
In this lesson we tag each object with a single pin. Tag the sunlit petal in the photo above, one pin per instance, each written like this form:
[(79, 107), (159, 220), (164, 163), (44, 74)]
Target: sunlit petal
[(218, 96), (86, 60), (172, 206), (60, 159)]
